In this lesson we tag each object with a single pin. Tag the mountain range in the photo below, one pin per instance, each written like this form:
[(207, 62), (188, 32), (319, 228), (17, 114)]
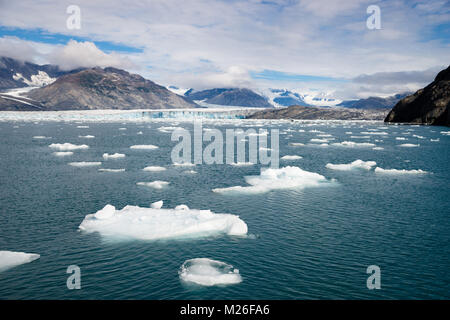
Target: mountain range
[(229, 97)]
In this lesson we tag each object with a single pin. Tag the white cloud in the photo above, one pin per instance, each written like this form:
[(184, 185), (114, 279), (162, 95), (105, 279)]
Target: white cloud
[(86, 55)]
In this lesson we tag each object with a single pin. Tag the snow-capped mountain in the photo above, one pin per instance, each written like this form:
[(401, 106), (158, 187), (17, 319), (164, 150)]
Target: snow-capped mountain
[(19, 74), (285, 98)]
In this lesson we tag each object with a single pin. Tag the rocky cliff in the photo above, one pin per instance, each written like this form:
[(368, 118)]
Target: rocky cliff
[(429, 105)]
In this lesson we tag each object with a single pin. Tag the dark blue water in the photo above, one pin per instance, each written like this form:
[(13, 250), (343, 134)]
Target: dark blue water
[(314, 243)]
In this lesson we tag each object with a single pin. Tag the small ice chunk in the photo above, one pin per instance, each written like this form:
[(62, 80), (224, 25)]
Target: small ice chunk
[(113, 156), (396, 171), (10, 259), (63, 153), (207, 272), (154, 184), (291, 157), (409, 145), (182, 207), (144, 147), (111, 170), (357, 164), (352, 144), (84, 164), (67, 146), (157, 204), (154, 168)]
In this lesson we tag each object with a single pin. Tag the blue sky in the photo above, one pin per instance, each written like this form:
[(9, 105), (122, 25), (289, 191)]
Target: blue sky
[(296, 44)]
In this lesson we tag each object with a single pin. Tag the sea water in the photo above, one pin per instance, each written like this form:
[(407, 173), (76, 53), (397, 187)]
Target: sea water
[(303, 242)]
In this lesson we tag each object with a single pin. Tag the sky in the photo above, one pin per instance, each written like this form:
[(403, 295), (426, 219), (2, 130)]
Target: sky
[(312, 46)]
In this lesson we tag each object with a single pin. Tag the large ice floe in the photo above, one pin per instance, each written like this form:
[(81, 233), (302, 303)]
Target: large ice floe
[(133, 222), (67, 146), (207, 272), (10, 259), (357, 164), (281, 178)]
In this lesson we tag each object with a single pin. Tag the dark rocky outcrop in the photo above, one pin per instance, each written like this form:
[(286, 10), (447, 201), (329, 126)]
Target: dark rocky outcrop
[(429, 105), (316, 113), (107, 88)]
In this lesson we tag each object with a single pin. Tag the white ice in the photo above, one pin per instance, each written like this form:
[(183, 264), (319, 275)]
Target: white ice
[(396, 171), (84, 164), (408, 145), (154, 168), (63, 153), (111, 170), (281, 178), (67, 146), (291, 157), (144, 147), (155, 223), (113, 156), (357, 164), (207, 272), (352, 144), (154, 184), (10, 259)]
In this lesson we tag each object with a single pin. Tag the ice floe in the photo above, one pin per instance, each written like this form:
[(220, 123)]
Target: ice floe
[(281, 178), (155, 223), (84, 164), (87, 137), (207, 272), (111, 170), (41, 137), (396, 171), (113, 156), (408, 145), (154, 168), (158, 184), (357, 164), (144, 147), (67, 146), (157, 204), (10, 259), (291, 157), (352, 144), (63, 153)]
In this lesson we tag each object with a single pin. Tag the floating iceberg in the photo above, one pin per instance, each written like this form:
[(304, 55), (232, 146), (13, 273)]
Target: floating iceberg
[(134, 222), (113, 156), (154, 168), (87, 137), (396, 171), (63, 153), (352, 144), (111, 170), (154, 184), (207, 272), (408, 145), (357, 164), (291, 157), (282, 178), (41, 137), (144, 147), (84, 164), (10, 259), (67, 146)]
